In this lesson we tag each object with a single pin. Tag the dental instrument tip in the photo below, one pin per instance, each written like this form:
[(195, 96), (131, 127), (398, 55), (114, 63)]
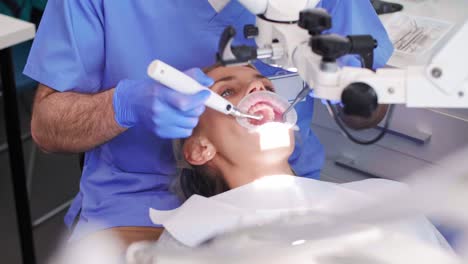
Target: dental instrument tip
[(256, 117), (237, 113)]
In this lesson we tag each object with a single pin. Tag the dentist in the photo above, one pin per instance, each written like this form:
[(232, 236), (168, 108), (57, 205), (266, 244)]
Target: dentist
[(90, 58)]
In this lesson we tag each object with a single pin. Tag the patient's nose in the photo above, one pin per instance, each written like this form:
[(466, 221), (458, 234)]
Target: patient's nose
[(256, 86)]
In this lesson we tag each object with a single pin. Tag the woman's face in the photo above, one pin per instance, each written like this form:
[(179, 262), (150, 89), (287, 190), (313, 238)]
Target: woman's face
[(232, 142)]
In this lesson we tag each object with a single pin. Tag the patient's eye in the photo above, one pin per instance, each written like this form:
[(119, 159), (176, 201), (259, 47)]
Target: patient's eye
[(227, 92), (270, 88), (268, 85)]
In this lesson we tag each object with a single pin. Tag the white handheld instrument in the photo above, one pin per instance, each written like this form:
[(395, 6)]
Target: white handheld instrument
[(177, 80)]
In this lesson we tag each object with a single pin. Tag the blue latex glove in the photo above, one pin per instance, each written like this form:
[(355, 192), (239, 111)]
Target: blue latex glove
[(166, 112)]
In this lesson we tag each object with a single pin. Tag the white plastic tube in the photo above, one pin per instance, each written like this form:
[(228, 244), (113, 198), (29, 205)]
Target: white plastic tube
[(179, 81)]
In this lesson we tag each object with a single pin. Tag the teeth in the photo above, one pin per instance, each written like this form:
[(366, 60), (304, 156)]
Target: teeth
[(266, 110), (269, 105)]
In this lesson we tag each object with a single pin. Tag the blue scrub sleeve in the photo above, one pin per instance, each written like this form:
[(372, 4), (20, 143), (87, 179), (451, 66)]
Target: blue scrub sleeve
[(358, 17), (68, 52)]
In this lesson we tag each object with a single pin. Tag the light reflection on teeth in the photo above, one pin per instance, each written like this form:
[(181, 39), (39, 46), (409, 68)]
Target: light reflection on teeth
[(264, 110)]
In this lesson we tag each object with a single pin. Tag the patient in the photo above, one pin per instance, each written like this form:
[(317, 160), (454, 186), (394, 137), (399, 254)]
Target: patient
[(224, 160), (223, 154)]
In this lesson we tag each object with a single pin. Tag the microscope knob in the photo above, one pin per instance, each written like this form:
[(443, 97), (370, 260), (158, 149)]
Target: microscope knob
[(315, 20), (330, 47), (359, 99), (233, 55), (250, 31)]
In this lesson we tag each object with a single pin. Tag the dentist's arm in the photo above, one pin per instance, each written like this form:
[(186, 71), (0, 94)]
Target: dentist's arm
[(75, 122)]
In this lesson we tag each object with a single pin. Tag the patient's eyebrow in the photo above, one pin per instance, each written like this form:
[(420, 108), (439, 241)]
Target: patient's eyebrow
[(259, 76), (225, 79), (230, 78)]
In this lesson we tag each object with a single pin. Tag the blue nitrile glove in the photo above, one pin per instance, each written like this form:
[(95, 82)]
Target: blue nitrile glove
[(166, 112)]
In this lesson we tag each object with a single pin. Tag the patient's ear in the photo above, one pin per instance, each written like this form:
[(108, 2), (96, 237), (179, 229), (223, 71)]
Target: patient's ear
[(198, 150)]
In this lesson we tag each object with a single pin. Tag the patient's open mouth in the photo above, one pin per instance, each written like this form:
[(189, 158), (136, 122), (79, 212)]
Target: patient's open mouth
[(269, 111), (267, 104)]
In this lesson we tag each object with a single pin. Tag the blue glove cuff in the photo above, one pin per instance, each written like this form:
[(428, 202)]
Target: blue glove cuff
[(122, 112)]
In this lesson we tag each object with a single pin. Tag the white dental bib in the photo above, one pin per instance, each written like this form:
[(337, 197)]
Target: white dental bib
[(270, 198)]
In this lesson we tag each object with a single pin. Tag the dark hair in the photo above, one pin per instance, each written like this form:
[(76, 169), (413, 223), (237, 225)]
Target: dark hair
[(201, 180)]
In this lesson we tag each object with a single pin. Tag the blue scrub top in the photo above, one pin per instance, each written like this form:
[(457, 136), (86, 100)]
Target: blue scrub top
[(88, 46)]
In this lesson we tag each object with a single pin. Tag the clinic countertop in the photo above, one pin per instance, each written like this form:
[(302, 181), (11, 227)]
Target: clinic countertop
[(14, 31)]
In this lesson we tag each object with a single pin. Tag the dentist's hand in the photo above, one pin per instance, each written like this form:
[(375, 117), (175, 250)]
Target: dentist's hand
[(166, 112)]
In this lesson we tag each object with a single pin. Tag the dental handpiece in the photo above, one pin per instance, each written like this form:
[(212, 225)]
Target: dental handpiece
[(179, 81)]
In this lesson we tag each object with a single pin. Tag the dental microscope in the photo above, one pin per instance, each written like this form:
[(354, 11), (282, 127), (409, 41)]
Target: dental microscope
[(293, 35)]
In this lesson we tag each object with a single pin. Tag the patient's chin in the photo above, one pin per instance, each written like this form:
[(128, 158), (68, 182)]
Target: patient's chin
[(275, 156), (250, 178), (276, 150)]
